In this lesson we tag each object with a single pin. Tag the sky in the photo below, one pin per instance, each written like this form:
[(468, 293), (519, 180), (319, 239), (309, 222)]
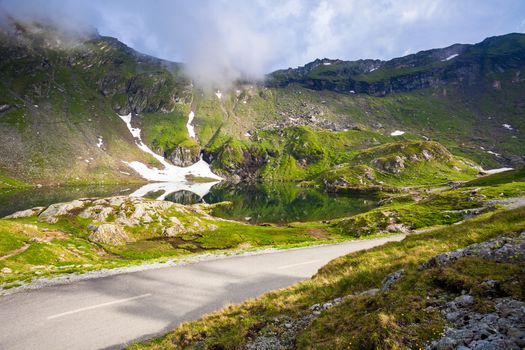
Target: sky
[(222, 40)]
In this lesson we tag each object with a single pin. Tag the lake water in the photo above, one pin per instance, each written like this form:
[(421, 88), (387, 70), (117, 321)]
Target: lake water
[(256, 203)]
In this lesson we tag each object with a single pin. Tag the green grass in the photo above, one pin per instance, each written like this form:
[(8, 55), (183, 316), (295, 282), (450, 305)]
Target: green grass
[(66, 242), (516, 175), (394, 320)]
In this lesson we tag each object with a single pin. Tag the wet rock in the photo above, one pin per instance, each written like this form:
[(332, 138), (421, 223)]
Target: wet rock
[(109, 234)]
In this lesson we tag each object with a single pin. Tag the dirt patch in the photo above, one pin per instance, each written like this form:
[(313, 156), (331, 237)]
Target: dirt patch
[(18, 251), (54, 234), (179, 243), (318, 233)]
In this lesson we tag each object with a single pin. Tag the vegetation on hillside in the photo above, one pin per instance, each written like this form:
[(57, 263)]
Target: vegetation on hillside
[(404, 316)]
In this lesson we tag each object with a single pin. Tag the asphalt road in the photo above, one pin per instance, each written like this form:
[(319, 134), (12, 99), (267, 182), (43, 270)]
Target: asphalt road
[(112, 311)]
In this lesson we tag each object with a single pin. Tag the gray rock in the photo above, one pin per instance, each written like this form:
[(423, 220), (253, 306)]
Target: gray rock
[(502, 329), (97, 213), (501, 249), (390, 279), (109, 234), (25, 213), (52, 212), (6, 270), (369, 292)]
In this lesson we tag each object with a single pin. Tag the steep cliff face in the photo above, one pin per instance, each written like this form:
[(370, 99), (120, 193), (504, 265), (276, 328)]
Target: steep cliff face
[(183, 156), (465, 64)]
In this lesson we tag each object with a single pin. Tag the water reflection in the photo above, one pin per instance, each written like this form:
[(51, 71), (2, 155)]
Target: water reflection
[(278, 202)]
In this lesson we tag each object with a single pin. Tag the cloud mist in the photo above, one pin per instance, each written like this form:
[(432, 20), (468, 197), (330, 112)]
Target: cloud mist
[(224, 40)]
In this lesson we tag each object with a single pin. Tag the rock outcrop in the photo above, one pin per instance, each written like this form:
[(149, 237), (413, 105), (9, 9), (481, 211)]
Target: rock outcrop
[(183, 156), (501, 249), (109, 234), (114, 220)]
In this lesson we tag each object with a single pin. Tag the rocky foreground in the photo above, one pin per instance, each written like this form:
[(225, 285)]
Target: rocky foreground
[(468, 328), (120, 220)]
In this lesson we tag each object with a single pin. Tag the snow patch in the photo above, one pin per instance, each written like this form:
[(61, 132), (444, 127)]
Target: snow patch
[(170, 173), (494, 153), (450, 57), (373, 69), (200, 189), (327, 63), (397, 133), (495, 171), (100, 141), (218, 94), (507, 126), (189, 125)]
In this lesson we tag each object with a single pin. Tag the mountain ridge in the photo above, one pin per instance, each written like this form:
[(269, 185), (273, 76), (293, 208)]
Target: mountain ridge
[(76, 92)]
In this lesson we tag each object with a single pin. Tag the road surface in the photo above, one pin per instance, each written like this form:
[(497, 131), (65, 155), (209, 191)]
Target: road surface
[(113, 311)]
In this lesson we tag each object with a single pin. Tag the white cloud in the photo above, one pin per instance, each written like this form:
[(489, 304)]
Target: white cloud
[(222, 40)]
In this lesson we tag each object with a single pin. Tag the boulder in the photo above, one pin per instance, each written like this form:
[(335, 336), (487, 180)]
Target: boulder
[(97, 213), (390, 279), (109, 234), (52, 212), (25, 213)]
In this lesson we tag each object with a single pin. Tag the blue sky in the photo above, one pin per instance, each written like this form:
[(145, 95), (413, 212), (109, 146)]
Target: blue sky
[(222, 39)]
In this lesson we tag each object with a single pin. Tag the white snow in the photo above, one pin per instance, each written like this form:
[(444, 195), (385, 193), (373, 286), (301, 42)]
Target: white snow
[(373, 69), (507, 126), (397, 133), (170, 173), (200, 189), (189, 126), (327, 63), (495, 171), (218, 94), (450, 57), (100, 142), (493, 153), (352, 91)]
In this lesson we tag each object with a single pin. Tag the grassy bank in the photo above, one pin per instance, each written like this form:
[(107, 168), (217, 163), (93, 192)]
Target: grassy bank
[(397, 319)]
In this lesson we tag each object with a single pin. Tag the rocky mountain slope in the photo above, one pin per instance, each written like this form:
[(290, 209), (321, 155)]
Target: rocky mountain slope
[(60, 95)]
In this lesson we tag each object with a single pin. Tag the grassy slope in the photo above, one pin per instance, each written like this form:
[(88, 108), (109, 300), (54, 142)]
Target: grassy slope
[(304, 153), (394, 320), (58, 109), (64, 246), (68, 86)]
